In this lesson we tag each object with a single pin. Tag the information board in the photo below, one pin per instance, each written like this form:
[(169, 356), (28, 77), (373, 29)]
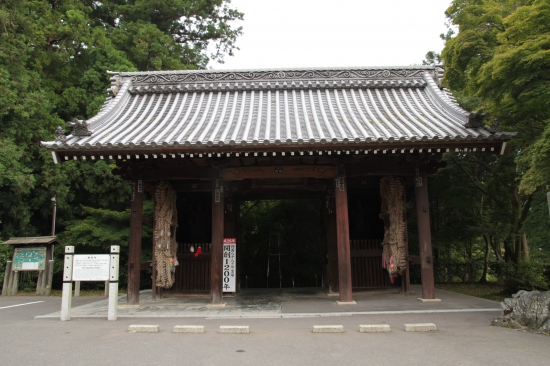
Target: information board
[(229, 264), (29, 259), (91, 267)]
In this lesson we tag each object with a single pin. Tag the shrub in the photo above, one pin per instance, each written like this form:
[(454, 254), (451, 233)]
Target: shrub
[(526, 275)]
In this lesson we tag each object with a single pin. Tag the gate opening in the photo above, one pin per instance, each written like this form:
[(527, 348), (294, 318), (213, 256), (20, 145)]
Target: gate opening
[(281, 243)]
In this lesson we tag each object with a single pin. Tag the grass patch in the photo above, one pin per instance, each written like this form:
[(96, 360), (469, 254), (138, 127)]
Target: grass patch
[(489, 291)]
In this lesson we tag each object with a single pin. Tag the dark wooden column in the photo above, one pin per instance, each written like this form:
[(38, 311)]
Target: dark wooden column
[(230, 223), (329, 223), (406, 278), (424, 234), (216, 259), (342, 235), (134, 246)]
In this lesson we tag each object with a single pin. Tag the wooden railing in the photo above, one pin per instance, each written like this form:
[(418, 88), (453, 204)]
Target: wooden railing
[(366, 264)]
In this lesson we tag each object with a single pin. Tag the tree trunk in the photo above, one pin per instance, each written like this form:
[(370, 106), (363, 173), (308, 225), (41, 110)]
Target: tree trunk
[(524, 247), (483, 278)]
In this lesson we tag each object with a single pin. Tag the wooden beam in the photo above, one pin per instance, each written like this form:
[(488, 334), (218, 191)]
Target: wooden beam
[(296, 171), (381, 168), (342, 236), (177, 173), (216, 293), (134, 247), (424, 234)]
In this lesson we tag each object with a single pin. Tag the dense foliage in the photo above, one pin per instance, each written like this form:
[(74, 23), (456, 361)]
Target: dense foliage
[(490, 207), (54, 55)]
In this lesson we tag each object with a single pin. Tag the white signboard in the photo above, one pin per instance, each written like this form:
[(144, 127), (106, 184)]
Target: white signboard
[(229, 264), (91, 267)]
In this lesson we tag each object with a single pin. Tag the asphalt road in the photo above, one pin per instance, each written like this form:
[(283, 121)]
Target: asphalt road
[(460, 339)]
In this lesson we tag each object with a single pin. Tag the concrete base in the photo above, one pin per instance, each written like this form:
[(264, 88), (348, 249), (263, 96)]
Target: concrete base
[(234, 329), (328, 329), (346, 302), (129, 306), (143, 328), (374, 328), (429, 300), (420, 327), (188, 329), (216, 306)]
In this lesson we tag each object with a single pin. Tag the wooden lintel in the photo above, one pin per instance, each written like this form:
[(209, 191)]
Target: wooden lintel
[(296, 171), (379, 169), (177, 174)]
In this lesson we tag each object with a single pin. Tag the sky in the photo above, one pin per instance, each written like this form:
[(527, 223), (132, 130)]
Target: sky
[(336, 33)]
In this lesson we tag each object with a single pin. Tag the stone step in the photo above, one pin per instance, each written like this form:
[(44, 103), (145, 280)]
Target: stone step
[(234, 329), (420, 327), (328, 329), (374, 328), (144, 328), (188, 329)]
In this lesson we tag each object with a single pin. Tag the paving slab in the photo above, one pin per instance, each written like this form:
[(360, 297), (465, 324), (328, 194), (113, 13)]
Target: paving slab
[(284, 303)]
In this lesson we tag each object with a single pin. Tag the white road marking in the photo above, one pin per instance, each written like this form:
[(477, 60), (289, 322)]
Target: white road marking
[(28, 303)]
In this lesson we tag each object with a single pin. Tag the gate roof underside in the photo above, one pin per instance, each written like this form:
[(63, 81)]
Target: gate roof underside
[(228, 111)]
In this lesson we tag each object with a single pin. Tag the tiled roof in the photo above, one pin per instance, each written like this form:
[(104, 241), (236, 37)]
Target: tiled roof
[(275, 107)]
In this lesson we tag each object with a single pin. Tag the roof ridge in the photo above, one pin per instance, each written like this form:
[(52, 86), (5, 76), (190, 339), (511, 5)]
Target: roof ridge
[(287, 69)]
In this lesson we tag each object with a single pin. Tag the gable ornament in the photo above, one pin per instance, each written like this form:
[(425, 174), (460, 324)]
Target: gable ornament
[(60, 134), (80, 127)]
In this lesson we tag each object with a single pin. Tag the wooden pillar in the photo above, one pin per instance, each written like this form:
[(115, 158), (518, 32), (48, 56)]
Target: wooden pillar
[(342, 236), (330, 237), (134, 247), (216, 256), (424, 234), (405, 279)]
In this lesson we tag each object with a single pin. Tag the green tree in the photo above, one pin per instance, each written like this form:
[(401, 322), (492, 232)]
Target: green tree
[(53, 61), (498, 62)]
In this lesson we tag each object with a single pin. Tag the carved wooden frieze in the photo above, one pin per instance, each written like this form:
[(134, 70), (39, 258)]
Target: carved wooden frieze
[(266, 75)]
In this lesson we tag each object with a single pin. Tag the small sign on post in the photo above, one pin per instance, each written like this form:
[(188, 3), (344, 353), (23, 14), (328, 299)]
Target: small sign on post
[(229, 264)]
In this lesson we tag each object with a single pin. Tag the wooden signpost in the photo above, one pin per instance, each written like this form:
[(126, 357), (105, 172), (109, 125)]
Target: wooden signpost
[(30, 254)]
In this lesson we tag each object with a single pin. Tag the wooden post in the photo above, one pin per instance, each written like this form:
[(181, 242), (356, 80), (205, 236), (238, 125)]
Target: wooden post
[(134, 248), (405, 280), (7, 276), (216, 256), (424, 234), (14, 283), (40, 281), (342, 236), (229, 224), (49, 279), (330, 237)]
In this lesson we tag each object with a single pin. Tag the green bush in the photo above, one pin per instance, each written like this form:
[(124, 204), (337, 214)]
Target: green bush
[(526, 275)]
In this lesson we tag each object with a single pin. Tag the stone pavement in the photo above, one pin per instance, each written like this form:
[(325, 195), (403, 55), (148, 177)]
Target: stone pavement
[(285, 303)]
